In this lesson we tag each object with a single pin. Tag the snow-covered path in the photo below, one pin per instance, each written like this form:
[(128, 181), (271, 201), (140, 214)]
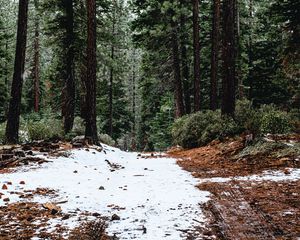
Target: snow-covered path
[(154, 197)]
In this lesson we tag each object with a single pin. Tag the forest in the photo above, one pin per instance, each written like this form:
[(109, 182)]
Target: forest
[(214, 84), (156, 61)]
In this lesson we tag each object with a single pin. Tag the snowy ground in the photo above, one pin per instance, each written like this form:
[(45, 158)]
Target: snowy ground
[(291, 174), (154, 197)]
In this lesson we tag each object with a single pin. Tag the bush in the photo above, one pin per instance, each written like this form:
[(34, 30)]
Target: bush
[(247, 118), (44, 129), (106, 139), (78, 126), (266, 119), (200, 128), (2, 133), (274, 121), (295, 119)]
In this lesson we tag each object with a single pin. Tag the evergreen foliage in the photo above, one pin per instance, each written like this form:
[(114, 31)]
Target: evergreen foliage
[(145, 71)]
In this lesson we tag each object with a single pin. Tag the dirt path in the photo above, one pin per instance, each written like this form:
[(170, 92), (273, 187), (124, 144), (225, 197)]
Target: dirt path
[(149, 197), (247, 210), (247, 202)]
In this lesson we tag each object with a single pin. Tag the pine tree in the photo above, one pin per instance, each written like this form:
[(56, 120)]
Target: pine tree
[(177, 74), (228, 55), (68, 103), (214, 55), (196, 39), (13, 118), (36, 65), (90, 85)]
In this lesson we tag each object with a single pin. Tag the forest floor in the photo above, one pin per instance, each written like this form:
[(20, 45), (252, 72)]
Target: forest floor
[(65, 191), (255, 189), (58, 192)]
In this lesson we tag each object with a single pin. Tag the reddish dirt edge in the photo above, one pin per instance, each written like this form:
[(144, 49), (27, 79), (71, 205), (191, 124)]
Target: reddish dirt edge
[(244, 210)]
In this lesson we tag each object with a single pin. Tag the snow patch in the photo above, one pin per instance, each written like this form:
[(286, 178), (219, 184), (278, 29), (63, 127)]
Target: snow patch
[(276, 176), (154, 197)]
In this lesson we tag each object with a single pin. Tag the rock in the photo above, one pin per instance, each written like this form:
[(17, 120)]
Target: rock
[(6, 199), (52, 207), (18, 152), (101, 188), (27, 147), (54, 211), (6, 156), (79, 142), (115, 217), (22, 182), (65, 217), (29, 153), (4, 187), (75, 171), (96, 214), (78, 138)]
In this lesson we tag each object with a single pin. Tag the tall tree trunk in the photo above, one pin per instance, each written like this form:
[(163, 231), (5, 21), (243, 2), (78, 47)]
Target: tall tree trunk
[(250, 50), (68, 106), (196, 40), (13, 118), (6, 66), (185, 66), (36, 66), (228, 55), (90, 121), (111, 82), (83, 73), (239, 79), (177, 74), (215, 56), (133, 140)]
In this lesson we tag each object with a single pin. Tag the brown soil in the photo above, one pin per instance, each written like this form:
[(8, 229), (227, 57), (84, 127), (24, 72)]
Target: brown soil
[(265, 210), (247, 210), (221, 159), (25, 219)]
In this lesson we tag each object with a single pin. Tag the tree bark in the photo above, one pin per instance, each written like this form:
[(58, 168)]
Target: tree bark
[(228, 55), (250, 50), (90, 121), (13, 118), (36, 66), (133, 135), (68, 105), (185, 66), (196, 41), (177, 73), (111, 82), (214, 56), (239, 79)]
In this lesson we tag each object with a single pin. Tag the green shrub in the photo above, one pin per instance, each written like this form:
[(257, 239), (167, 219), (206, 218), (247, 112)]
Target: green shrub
[(78, 126), (274, 121), (295, 119), (44, 129), (2, 133), (247, 118), (200, 128), (266, 119), (106, 139)]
